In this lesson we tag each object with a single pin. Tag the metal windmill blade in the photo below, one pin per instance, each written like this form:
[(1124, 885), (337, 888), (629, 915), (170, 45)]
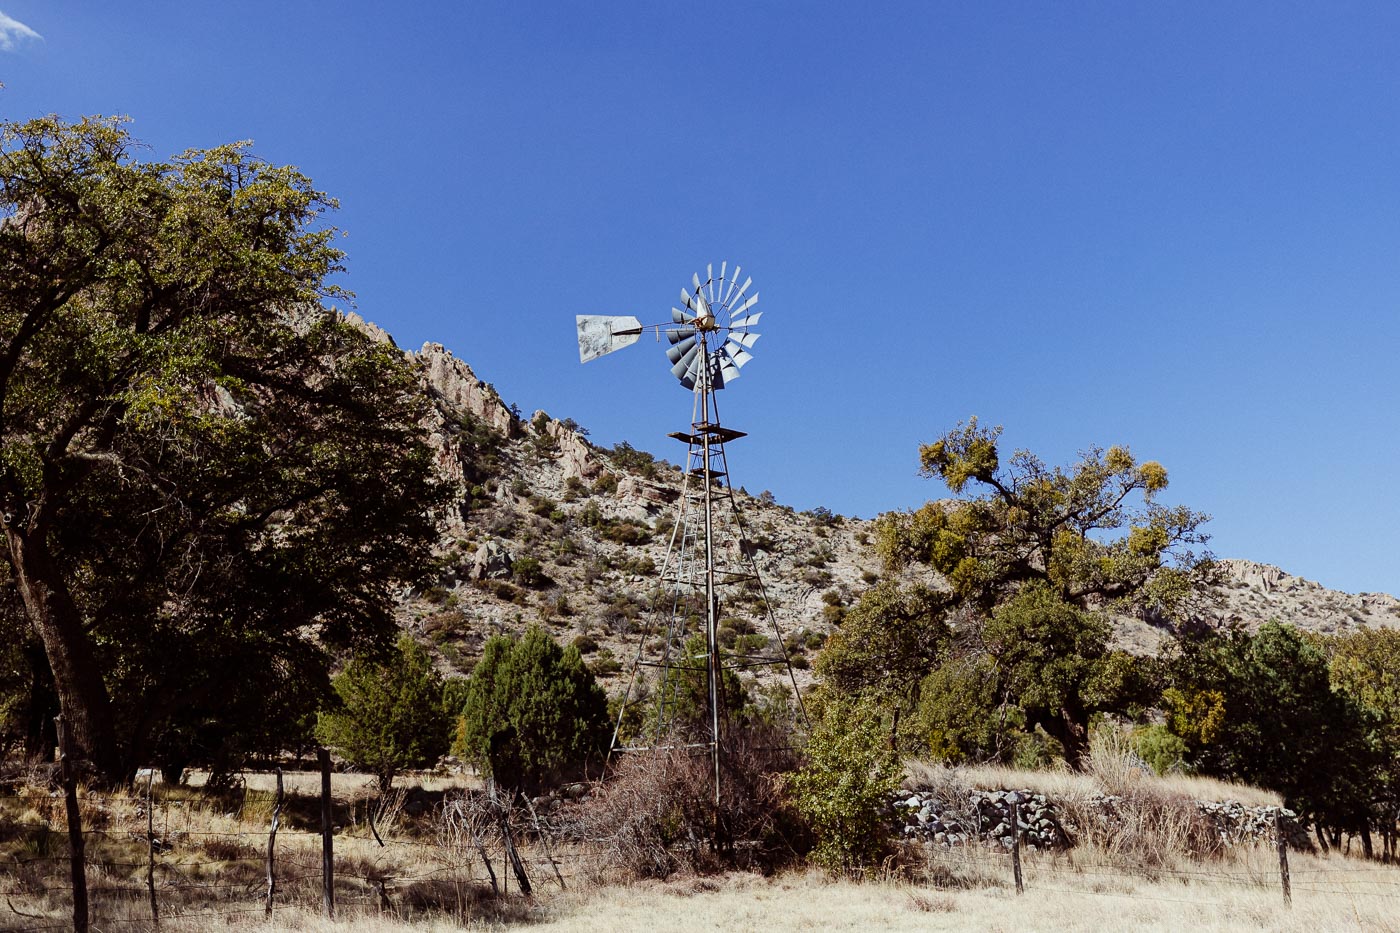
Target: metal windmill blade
[(710, 336), (718, 315)]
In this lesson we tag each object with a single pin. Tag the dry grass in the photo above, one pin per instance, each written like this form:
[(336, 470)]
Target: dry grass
[(342, 784), (430, 886), (212, 855), (1329, 894), (1066, 783)]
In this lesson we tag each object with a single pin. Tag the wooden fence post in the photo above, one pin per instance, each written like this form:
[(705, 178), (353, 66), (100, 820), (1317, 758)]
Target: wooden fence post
[(1014, 799), (503, 808), (76, 862), (271, 844), (323, 756), (151, 847), (1282, 838), (544, 841)]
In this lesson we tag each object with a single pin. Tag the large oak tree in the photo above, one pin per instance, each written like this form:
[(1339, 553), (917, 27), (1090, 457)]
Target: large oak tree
[(1031, 557), (209, 482)]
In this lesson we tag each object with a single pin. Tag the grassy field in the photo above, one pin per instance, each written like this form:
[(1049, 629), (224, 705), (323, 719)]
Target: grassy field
[(210, 874), (1330, 894)]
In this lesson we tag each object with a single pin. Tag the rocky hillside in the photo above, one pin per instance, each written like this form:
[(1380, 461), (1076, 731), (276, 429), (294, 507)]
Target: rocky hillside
[(1253, 593), (550, 529)]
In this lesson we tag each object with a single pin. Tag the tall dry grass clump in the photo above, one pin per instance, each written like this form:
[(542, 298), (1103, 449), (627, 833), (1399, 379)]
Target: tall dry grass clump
[(655, 815), (1135, 820)]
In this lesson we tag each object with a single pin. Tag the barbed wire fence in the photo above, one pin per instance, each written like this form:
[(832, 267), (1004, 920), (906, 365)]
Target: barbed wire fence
[(149, 871), (142, 875)]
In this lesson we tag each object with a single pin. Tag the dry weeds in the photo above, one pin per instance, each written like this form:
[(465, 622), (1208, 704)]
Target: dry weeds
[(1063, 782), (1330, 894), (218, 841)]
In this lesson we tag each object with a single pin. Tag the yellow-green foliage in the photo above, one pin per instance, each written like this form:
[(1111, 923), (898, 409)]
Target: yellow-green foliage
[(846, 785), (1091, 530)]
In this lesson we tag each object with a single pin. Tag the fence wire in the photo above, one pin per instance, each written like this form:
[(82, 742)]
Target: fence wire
[(188, 887)]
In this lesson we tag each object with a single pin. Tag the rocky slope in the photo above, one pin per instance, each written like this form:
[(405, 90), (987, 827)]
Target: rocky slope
[(550, 529)]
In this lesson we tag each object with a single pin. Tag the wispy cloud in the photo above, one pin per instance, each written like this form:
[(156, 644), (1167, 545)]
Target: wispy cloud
[(12, 31)]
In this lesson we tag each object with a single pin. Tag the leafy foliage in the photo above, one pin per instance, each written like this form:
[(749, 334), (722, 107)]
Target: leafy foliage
[(887, 643), (1037, 666), (1080, 531), (534, 712), (1013, 660), (1280, 724), (680, 704), (391, 714), (845, 786), (200, 462), (629, 458)]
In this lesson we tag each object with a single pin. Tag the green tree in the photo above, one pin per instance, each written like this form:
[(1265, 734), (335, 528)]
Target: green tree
[(1365, 666), (390, 715), (844, 789), (888, 642), (534, 712), (680, 705), (1038, 665), (1279, 724), (203, 472), (1091, 533), (1034, 557), (963, 715)]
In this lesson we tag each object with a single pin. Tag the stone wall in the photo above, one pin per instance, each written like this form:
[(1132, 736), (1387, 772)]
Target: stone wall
[(984, 816)]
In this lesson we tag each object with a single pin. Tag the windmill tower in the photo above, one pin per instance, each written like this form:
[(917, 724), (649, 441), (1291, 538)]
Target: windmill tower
[(708, 556)]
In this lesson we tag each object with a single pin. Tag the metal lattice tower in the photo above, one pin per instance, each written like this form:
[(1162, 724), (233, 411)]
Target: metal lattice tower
[(708, 556)]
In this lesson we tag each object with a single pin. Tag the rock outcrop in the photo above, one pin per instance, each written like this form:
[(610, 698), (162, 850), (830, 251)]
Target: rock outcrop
[(452, 382)]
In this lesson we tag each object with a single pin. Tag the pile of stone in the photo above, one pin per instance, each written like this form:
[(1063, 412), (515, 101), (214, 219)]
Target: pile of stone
[(984, 816), (1236, 823)]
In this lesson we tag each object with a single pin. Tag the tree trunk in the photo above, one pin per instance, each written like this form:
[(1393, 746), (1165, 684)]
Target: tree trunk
[(1070, 730), (40, 736), (82, 694)]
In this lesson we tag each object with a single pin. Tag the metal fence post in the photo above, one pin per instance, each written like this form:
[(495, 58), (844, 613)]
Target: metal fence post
[(327, 855)]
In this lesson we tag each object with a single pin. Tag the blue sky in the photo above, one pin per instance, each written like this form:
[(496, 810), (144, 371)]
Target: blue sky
[(1175, 226)]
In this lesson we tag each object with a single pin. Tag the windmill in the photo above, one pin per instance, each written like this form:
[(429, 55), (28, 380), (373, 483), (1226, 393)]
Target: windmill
[(710, 336)]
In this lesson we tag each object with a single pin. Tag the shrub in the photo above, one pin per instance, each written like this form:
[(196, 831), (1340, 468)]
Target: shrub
[(534, 712), (845, 787), (633, 460), (604, 663), (527, 571), (390, 716), (1162, 750), (648, 817), (625, 531)]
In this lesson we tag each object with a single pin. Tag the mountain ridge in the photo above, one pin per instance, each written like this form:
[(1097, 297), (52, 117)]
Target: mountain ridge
[(554, 530)]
